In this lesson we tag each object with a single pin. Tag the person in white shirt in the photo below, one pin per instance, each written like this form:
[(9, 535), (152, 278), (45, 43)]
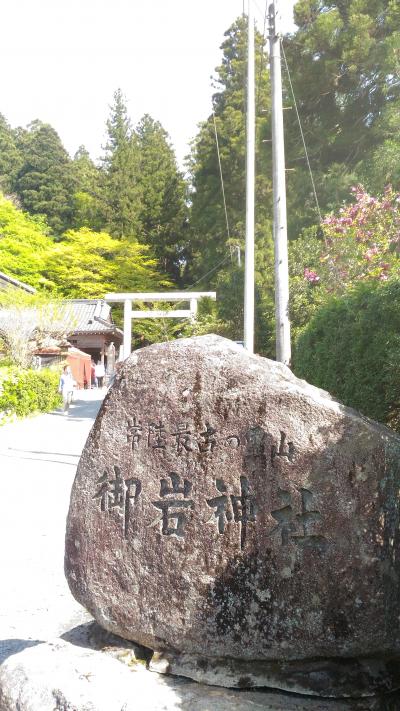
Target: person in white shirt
[(99, 372), (66, 387)]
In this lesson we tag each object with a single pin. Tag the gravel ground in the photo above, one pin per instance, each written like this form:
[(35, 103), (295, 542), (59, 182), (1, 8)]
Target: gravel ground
[(38, 459)]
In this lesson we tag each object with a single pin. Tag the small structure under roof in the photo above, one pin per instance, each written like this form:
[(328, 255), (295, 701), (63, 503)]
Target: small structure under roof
[(91, 328), (85, 323)]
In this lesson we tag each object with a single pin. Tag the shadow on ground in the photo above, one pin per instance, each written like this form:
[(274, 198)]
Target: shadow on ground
[(8, 647), (91, 635), (81, 410)]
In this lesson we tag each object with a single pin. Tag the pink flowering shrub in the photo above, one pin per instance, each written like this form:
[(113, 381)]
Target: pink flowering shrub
[(363, 241), (360, 243), (311, 276)]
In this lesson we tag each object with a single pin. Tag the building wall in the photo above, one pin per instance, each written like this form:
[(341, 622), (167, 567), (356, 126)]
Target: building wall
[(93, 343)]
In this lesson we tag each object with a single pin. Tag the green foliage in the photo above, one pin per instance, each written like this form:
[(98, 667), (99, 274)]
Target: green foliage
[(164, 213), (44, 181), (88, 264), (86, 186), (212, 249), (209, 237), (10, 157), (24, 245), (208, 322), (24, 392), (344, 62), (352, 348), (81, 264), (306, 296), (359, 244), (120, 190)]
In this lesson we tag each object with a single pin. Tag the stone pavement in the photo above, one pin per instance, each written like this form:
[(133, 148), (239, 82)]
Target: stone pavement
[(38, 459)]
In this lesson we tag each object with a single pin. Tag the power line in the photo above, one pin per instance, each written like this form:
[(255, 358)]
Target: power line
[(221, 175), (225, 259), (302, 133), (223, 191)]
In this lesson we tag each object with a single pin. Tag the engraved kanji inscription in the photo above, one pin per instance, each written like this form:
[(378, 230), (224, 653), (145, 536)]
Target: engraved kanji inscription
[(255, 440), (207, 439), (135, 431), (223, 512), (244, 508), (157, 436), (118, 493), (298, 527), (184, 440), (240, 509), (174, 509), (181, 437), (285, 449)]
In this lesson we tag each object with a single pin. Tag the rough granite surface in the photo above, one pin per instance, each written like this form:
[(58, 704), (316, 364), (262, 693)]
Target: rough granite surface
[(225, 509)]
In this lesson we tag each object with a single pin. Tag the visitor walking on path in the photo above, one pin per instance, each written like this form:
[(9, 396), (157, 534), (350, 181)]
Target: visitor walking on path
[(99, 373), (66, 387), (93, 381)]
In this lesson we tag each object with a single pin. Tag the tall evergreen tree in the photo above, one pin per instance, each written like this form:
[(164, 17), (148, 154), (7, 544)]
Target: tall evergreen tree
[(44, 181), (86, 183), (164, 211), (210, 242), (229, 106), (10, 157), (344, 61), (120, 193)]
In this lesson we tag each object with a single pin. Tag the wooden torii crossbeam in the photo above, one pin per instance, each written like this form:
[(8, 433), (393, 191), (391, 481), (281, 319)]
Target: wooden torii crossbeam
[(150, 297)]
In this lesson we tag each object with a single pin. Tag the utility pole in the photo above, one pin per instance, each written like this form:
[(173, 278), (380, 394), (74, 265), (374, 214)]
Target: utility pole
[(250, 181), (283, 349)]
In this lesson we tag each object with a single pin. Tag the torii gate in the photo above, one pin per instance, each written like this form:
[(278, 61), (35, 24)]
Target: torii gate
[(127, 299)]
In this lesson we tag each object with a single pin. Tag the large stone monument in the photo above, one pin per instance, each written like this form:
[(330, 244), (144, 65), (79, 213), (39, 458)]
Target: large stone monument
[(241, 523)]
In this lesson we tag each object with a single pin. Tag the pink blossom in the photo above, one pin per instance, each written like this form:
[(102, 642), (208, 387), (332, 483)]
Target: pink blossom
[(370, 253), (311, 276)]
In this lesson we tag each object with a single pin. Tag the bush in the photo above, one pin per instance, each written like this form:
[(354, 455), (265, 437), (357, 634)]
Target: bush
[(359, 244), (23, 392), (352, 348)]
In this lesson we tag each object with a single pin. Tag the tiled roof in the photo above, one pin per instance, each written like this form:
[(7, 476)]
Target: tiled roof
[(89, 316), (6, 281), (75, 316)]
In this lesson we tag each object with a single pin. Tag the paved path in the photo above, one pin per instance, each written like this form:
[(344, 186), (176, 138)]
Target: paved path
[(38, 459)]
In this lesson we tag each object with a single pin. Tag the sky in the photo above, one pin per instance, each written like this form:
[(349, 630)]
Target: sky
[(63, 59)]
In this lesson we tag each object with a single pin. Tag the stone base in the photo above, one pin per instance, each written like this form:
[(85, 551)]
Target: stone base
[(367, 684), (337, 678), (61, 675)]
